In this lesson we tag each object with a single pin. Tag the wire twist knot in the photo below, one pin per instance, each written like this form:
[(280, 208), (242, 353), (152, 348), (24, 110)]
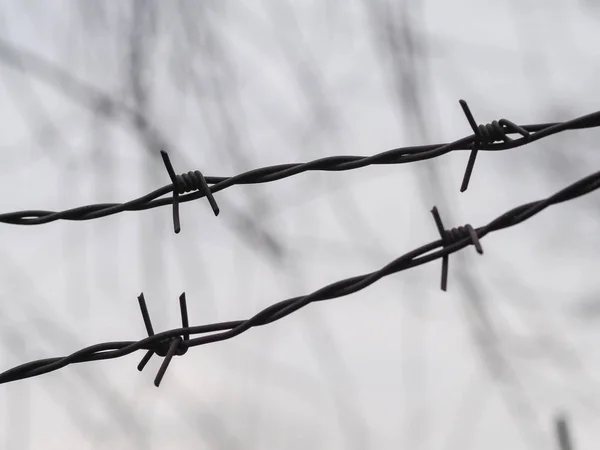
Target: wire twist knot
[(456, 234), (187, 182), (168, 347), (190, 181), (453, 236), (492, 132), (487, 134), (161, 348)]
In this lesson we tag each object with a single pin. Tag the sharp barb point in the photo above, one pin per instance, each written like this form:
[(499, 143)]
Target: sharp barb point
[(145, 360), (184, 315), (166, 361), (176, 220), (209, 194), (475, 239), (469, 168), (438, 222), (168, 166), (444, 235), (470, 118), (145, 315), (173, 177), (445, 262)]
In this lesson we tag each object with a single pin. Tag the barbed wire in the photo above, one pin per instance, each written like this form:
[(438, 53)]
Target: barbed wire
[(485, 137), (177, 341)]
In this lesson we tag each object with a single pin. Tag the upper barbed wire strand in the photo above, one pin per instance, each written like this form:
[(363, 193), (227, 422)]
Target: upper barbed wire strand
[(267, 174), (227, 330)]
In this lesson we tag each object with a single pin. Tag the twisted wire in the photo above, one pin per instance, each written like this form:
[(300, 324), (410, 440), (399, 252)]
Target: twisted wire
[(177, 341), (484, 137)]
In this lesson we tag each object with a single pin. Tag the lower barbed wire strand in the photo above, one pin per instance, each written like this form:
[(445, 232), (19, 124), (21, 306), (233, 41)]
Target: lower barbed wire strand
[(226, 330)]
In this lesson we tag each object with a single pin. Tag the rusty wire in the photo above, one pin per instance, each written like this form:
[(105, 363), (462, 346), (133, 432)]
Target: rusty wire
[(177, 341), (485, 137)]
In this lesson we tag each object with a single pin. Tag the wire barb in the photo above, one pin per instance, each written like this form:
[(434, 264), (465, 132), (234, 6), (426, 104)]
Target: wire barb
[(486, 135), (187, 182), (451, 236), (168, 347)]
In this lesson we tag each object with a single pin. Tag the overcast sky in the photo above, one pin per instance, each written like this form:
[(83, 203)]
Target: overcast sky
[(226, 88)]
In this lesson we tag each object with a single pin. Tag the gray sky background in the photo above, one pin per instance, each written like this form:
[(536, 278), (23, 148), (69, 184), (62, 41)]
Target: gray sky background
[(227, 87)]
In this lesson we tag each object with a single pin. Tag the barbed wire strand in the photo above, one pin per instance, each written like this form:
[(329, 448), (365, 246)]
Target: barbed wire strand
[(485, 137), (178, 341)]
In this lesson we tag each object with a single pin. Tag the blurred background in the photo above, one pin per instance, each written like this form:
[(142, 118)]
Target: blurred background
[(90, 92)]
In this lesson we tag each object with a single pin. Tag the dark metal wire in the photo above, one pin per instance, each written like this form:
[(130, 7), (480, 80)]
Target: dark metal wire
[(484, 138), (177, 341)]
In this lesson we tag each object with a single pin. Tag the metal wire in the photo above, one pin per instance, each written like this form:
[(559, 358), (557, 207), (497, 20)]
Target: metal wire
[(485, 137), (178, 341)]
